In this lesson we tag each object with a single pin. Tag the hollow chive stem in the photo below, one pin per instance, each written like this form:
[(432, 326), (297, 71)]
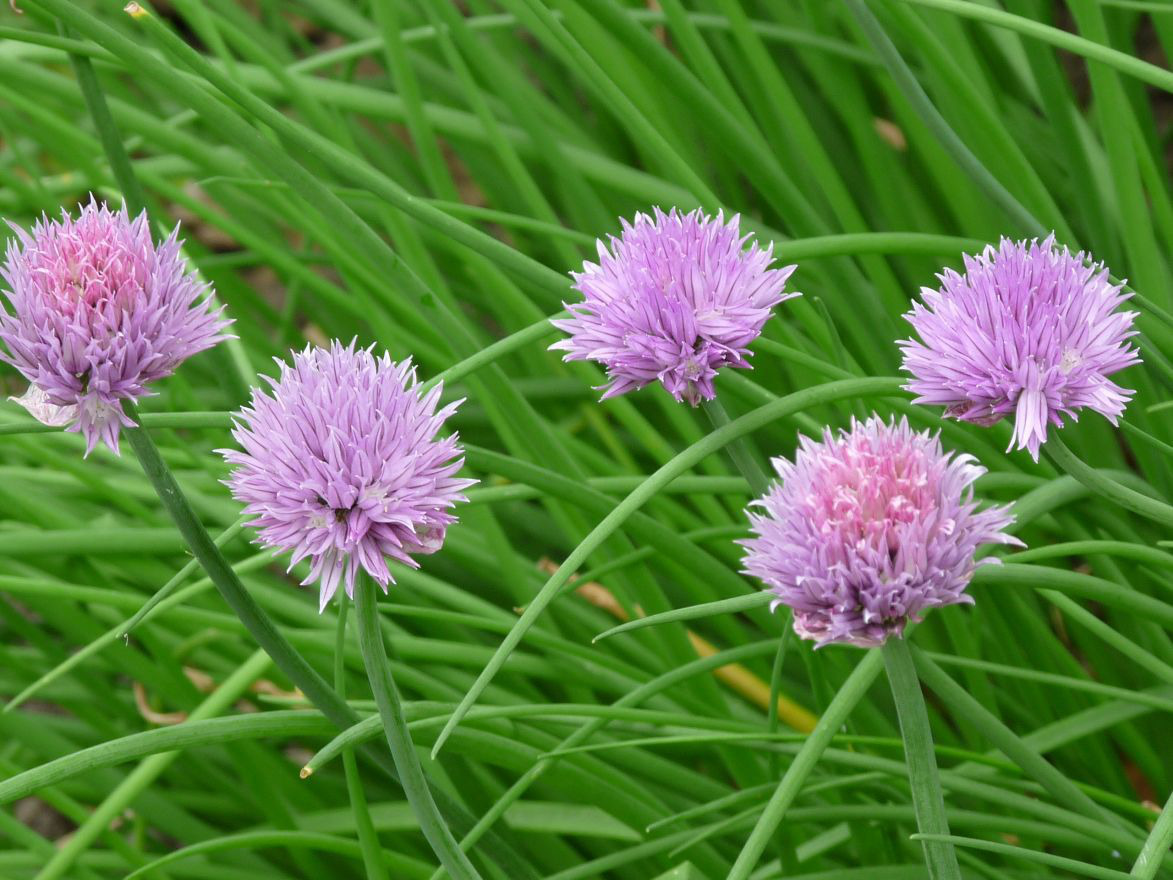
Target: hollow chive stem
[(287, 659), (255, 620), (411, 774), (740, 452), (927, 801), (368, 839), (1105, 486)]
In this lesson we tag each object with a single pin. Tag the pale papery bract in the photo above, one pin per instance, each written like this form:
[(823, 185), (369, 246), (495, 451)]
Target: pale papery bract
[(867, 530), (98, 311), (340, 463), (675, 298), (1030, 331)]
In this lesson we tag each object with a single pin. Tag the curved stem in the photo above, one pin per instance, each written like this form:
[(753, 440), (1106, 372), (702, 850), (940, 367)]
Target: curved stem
[(258, 623), (883, 386), (1061, 39), (411, 774), (927, 801), (740, 451), (1068, 461)]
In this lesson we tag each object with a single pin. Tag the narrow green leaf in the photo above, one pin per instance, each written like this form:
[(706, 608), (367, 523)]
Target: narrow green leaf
[(1074, 866), (1156, 846), (1002, 738), (693, 612), (1062, 39)]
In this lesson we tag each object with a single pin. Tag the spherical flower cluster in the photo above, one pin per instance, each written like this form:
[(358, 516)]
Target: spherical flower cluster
[(98, 312), (869, 529), (341, 464), (675, 298), (1030, 330)]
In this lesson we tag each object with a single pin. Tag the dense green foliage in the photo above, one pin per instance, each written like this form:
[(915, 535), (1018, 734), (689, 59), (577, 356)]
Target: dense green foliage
[(422, 175)]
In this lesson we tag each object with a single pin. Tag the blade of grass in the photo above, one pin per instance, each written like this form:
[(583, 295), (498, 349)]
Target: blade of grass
[(1104, 486), (693, 612), (122, 629), (1038, 577), (915, 95), (1073, 866), (1156, 846), (1000, 736), (372, 855), (284, 840)]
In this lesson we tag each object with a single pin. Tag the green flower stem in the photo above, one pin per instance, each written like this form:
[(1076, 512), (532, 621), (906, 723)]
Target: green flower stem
[(1105, 486), (927, 800), (411, 774), (368, 839), (258, 623), (740, 451)]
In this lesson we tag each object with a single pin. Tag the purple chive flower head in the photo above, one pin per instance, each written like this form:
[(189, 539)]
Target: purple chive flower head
[(98, 312), (675, 298), (342, 465), (1030, 330), (869, 529)]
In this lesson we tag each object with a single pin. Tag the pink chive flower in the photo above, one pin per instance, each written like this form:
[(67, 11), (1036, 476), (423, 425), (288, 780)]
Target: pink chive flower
[(1030, 331), (98, 312), (342, 465), (675, 298), (869, 529)]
